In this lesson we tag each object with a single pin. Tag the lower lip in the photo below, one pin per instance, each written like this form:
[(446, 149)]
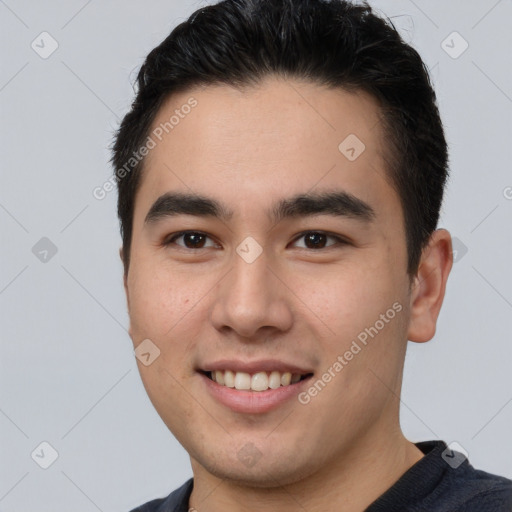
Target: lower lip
[(253, 402)]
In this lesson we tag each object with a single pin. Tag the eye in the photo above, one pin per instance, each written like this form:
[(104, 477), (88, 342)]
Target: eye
[(316, 239), (196, 240), (191, 239)]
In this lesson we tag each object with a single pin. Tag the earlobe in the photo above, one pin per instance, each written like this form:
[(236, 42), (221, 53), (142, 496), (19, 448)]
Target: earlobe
[(429, 286)]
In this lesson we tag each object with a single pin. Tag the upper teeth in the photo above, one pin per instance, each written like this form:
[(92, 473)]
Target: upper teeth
[(260, 381)]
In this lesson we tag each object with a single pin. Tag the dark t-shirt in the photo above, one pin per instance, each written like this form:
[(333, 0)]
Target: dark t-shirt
[(442, 481)]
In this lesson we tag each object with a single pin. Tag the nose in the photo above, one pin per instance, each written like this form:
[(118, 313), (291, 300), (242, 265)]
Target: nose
[(252, 300)]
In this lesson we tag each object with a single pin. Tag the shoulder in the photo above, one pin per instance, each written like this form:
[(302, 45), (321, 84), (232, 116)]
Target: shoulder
[(488, 492), (150, 506), (473, 490), (445, 481), (177, 501)]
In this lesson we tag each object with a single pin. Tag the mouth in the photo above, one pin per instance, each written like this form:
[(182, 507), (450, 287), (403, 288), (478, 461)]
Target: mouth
[(254, 387), (258, 381)]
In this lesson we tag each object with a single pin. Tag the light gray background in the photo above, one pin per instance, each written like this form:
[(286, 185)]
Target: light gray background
[(68, 373)]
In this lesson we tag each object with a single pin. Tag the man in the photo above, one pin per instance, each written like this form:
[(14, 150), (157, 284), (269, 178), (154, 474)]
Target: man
[(280, 177)]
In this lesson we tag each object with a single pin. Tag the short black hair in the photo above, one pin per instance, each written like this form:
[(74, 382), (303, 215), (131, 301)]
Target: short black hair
[(334, 43)]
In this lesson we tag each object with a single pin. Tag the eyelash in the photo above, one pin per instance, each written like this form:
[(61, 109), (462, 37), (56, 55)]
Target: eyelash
[(175, 236)]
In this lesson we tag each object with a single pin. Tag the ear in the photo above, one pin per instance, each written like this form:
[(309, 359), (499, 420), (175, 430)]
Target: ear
[(428, 288), (125, 283)]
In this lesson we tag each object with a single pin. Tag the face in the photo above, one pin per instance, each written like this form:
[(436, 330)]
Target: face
[(264, 281)]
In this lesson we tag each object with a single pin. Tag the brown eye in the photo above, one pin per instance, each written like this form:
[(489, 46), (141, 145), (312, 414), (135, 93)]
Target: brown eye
[(191, 240), (317, 239)]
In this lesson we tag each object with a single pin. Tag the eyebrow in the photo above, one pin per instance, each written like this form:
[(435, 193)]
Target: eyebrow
[(336, 203)]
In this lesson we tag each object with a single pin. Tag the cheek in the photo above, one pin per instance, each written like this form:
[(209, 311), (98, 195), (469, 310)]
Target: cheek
[(352, 299), (365, 310), (158, 302)]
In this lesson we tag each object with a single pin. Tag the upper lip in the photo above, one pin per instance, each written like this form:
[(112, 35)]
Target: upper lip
[(261, 365)]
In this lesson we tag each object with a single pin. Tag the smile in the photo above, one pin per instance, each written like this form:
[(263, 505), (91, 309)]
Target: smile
[(258, 381)]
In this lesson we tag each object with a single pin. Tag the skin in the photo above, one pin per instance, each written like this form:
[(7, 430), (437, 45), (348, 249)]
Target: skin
[(249, 148)]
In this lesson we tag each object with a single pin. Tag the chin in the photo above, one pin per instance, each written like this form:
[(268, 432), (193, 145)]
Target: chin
[(261, 473)]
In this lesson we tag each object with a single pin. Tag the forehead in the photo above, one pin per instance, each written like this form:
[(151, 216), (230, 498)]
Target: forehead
[(250, 146)]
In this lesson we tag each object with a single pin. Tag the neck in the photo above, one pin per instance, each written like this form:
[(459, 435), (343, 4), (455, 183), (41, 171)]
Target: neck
[(350, 482)]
